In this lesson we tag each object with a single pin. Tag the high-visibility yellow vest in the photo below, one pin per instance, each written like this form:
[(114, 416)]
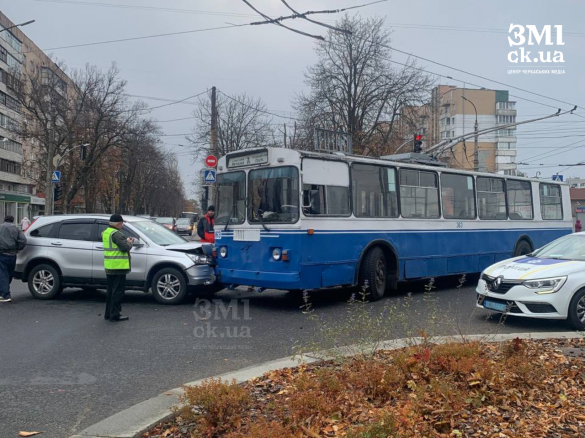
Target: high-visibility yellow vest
[(114, 259)]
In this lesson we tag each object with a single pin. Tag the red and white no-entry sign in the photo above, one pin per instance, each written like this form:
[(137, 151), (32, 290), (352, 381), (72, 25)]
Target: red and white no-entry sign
[(211, 161)]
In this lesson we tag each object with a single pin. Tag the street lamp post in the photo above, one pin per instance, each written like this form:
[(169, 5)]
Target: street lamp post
[(26, 23), (475, 141)]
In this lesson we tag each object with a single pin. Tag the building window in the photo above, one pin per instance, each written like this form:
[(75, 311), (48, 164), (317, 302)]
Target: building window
[(9, 166), (551, 206), (3, 54), (374, 191), (506, 105), (506, 119), (491, 199), (10, 145), (9, 102), (506, 133), (9, 37), (48, 77), (419, 194), (9, 123), (519, 200), (457, 196), (504, 145)]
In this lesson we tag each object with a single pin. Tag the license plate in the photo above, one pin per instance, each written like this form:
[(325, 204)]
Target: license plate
[(500, 307)]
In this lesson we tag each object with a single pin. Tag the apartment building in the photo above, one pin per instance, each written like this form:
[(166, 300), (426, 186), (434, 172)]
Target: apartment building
[(19, 160), (452, 113), (16, 191)]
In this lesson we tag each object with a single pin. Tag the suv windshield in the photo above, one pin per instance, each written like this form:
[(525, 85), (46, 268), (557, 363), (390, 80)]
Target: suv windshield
[(183, 221), (231, 189), (571, 247), (160, 235), (274, 195)]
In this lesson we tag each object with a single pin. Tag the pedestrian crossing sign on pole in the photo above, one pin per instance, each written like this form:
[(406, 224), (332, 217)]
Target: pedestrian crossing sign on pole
[(209, 176), (56, 176)]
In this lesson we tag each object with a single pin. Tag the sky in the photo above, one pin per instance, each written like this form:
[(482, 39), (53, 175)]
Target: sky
[(268, 62)]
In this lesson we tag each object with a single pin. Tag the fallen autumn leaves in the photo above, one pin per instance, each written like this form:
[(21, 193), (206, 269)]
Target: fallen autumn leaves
[(514, 389)]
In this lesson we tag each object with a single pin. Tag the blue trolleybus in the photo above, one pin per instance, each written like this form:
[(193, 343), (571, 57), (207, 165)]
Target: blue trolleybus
[(296, 220)]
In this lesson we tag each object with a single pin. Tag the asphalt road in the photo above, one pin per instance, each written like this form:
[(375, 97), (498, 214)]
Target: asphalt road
[(63, 368)]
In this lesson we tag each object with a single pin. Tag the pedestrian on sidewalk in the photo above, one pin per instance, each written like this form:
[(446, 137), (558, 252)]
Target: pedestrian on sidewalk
[(578, 227), (117, 265), (12, 240), (206, 225), (25, 223)]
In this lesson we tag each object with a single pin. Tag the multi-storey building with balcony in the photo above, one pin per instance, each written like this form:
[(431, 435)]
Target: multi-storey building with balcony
[(19, 160), (453, 112), (16, 191)]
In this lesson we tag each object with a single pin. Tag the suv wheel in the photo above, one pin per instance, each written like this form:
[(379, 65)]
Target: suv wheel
[(169, 286), (44, 282)]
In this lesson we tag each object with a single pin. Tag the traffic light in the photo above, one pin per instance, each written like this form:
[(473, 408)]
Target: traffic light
[(57, 192), (417, 144)]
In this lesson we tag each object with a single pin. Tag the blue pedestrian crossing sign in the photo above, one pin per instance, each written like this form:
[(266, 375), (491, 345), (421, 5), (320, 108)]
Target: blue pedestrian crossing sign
[(56, 176), (558, 177), (209, 176)]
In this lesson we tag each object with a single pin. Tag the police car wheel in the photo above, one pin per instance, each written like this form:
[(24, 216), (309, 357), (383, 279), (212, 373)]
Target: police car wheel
[(44, 282), (577, 311), (374, 271), (169, 286)]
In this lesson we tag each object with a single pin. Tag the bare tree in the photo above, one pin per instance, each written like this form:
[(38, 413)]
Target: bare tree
[(90, 108), (355, 88), (241, 124)]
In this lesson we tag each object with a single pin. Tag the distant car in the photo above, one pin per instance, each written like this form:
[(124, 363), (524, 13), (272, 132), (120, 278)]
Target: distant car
[(184, 226), (168, 222), (146, 216), (67, 251), (548, 283)]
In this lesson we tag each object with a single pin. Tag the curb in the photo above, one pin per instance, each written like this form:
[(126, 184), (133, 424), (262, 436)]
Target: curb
[(138, 419)]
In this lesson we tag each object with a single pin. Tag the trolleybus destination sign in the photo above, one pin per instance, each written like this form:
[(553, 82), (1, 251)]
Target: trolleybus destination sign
[(248, 159)]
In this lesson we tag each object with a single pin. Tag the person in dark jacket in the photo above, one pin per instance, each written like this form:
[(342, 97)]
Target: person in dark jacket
[(117, 265), (578, 227), (205, 226), (12, 240)]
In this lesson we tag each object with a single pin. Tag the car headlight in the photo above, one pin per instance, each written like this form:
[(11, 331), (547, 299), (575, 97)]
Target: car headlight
[(546, 285), (223, 251), (276, 254), (199, 259)]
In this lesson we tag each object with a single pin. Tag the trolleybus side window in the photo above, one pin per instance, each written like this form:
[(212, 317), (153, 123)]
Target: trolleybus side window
[(551, 206), (491, 198), (519, 200), (273, 195), (374, 191), (419, 194), (325, 188), (457, 196)]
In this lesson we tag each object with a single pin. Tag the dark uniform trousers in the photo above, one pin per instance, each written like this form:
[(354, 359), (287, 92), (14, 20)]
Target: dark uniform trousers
[(116, 288)]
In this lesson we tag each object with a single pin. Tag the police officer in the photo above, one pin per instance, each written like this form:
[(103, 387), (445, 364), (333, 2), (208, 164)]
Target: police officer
[(117, 264)]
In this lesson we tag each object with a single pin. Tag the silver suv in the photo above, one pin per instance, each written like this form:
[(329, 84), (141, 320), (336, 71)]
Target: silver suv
[(67, 251)]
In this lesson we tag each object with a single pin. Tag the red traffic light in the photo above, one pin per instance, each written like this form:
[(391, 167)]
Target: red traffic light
[(418, 137)]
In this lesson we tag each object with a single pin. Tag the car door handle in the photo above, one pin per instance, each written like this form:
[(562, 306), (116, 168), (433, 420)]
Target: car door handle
[(56, 244), (99, 247)]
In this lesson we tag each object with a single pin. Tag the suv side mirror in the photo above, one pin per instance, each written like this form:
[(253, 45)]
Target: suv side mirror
[(138, 243)]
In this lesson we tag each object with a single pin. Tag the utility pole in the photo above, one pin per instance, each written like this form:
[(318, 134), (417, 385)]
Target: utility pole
[(49, 203), (113, 208), (476, 148), (285, 135), (213, 135)]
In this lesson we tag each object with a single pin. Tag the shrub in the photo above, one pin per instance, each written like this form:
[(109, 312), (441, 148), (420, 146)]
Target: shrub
[(263, 429), (215, 405)]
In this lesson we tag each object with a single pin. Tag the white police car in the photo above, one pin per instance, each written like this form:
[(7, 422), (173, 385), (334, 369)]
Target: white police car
[(547, 284)]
